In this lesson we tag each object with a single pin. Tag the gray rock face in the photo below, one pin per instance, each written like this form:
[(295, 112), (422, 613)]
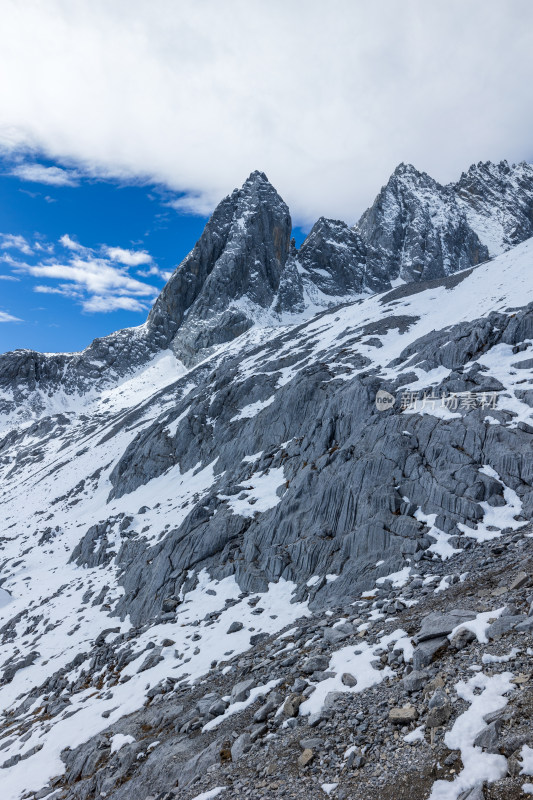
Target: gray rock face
[(416, 230), (232, 273), (426, 652), (241, 691), (498, 202), (415, 681), (488, 738), (24, 372), (348, 511), (332, 260), (440, 710), (270, 460), (240, 746)]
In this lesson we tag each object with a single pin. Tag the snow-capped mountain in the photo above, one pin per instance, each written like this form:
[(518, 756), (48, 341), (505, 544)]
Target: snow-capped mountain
[(498, 202), (234, 447), (245, 271), (416, 230)]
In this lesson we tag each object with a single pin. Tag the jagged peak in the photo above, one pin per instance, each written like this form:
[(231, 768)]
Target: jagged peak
[(325, 223), (332, 223), (256, 191), (256, 177), (406, 169), (335, 232), (488, 167), (408, 175)]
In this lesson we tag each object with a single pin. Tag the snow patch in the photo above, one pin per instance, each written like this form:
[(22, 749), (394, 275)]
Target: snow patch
[(119, 740), (478, 766)]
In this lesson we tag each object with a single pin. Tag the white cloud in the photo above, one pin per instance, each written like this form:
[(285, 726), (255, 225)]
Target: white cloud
[(5, 317), (110, 303), (199, 204), (326, 99), (69, 243), (10, 241), (53, 176), (97, 282), (94, 275), (64, 289), (133, 258)]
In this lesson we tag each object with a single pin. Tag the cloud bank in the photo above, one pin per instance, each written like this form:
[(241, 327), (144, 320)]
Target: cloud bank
[(326, 98)]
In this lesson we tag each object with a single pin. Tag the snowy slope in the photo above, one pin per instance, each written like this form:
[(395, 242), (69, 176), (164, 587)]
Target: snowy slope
[(56, 486)]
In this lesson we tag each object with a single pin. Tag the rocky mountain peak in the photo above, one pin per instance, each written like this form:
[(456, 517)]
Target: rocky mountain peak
[(249, 576), (497, 200), (415, 230), (234, 268), (409, 171), (333, 259)]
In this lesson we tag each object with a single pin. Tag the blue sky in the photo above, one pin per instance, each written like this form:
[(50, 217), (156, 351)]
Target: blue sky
[(81, 257)]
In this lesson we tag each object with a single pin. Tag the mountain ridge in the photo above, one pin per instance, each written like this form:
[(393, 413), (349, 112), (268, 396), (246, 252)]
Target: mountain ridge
[(244, 271)]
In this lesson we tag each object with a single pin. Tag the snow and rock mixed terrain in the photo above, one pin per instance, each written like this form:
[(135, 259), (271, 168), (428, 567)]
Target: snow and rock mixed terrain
[(225, 569)]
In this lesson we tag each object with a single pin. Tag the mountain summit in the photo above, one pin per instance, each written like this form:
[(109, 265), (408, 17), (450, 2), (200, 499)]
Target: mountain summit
[(232, 273)]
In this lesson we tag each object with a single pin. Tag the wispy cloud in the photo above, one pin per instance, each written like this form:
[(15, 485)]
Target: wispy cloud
[(94, 275), (197, 204), (5, 317), (99, 279), (64, 289), (53, 176), (106, 303), (11, 241), (69, 243), (96, 303), (133, 258)]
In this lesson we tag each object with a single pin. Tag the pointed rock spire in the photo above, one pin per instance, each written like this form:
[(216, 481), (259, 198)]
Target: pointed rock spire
[(233, 270)]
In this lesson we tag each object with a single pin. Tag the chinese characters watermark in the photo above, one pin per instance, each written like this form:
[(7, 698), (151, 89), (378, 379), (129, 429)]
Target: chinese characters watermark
[(453, 401), (430, 401)]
